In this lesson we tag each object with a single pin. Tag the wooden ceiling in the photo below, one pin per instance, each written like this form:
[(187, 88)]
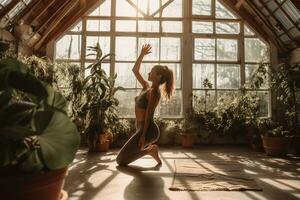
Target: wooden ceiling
[(52, 17)]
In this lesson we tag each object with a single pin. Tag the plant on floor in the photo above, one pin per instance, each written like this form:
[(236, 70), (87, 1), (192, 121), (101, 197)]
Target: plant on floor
[(36, 134), (100, 101), (285, 84)]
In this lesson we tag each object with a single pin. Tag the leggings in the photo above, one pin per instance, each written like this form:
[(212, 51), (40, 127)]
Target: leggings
[(131, 150)]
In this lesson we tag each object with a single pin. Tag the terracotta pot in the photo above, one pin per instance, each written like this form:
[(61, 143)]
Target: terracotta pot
[(30, 186), (187, 140), (275, 146), (103, 144), (296, 145)]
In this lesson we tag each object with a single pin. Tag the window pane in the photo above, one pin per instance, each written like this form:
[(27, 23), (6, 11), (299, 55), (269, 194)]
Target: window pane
[(172, 107), (201, 7), (126, 99), (255, 50), (227, 27), (223, 12), (154, 55), (173, 10), (204, 49), (98, 25), (103, 9), (202, 102), (228, 76), (203, 27), (202, 72), (68, 47), (105, 67), (125, 76), (176, 68), (77, 27), (248, 31), (172, 26), (227, 49), (16, 10), (126, 48), (170, 48), (145, 69), (263, 103), (91, 41), (148, 26), (125, 9), (126, 25), (249, 72)]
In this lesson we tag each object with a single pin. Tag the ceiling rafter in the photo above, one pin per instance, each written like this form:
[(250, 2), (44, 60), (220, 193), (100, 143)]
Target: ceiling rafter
[(244, 13), (8, 8), (66, 23), (267, 24)]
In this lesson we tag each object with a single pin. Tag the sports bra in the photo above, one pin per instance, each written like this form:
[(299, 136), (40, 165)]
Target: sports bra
[(141, 100)]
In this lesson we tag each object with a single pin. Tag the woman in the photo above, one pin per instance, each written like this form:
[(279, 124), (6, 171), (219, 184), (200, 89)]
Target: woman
[(147, 132)]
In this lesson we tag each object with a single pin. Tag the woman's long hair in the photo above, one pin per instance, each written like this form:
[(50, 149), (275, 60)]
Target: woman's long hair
[(167, 80)]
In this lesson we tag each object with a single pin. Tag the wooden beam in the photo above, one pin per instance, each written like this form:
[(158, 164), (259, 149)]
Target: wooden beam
[(27, 10), (57, 20), (266, 23), (82, 3), (239, 4), (296, 3), (66, 23), (43, 11), (8, 8), (54, 15)]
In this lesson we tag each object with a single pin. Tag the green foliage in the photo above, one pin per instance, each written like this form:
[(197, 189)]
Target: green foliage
[(35, 133), (100, 102), (285, 83)]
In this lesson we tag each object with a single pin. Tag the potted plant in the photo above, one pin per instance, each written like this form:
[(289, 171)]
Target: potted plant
[(286, 86), (121, 129), (100, 103), (38, 140), (188, 129), (274, 138)]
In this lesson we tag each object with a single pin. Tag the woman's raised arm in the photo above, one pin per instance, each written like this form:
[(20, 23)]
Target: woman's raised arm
[(146, 49)]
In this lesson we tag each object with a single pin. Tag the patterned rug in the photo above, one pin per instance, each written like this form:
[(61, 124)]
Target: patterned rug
[(193, 175)]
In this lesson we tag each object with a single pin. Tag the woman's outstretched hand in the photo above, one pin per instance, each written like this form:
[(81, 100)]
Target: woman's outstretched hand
[(142, 142), (146, 49)]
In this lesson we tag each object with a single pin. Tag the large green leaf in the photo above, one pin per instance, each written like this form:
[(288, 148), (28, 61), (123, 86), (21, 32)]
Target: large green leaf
[(33, 161), (59, 141), (15, 132), (14, 74), (56, 100), (14, 113)]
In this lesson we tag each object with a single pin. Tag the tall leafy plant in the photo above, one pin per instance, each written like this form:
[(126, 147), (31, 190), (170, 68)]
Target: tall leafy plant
[(100, 101), (285, 82)]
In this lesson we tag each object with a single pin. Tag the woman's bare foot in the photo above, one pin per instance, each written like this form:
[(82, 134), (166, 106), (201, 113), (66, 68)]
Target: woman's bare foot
[(153, 151)]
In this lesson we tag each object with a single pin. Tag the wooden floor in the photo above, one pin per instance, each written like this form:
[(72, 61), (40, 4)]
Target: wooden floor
[(97, 176)]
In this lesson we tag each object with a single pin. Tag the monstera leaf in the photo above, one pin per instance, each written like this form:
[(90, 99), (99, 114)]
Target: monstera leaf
[(58, 141)]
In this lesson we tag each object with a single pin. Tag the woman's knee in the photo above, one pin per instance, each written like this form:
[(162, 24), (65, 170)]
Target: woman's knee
[(121, 160)]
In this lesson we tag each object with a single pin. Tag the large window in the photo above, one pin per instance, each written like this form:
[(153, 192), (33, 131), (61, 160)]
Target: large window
[(122, 26), (226, 53)]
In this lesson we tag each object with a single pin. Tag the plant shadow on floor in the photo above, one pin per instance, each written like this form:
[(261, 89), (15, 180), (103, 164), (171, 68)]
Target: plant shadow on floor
[(78, 182), (144, 185)]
